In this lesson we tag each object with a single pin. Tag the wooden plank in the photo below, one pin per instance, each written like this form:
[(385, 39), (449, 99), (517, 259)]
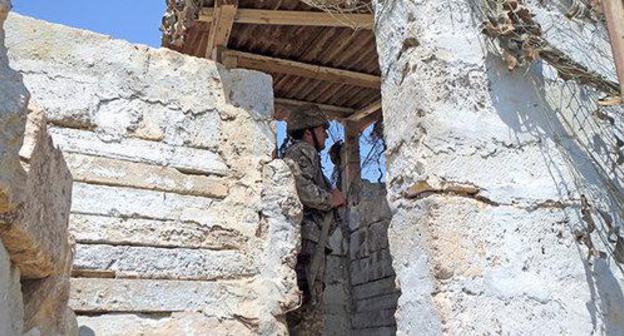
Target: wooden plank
[(284, 66), (371, 119), (614, 13), (294, 18), (332, 111), (365, 112), (221, 28), (351, 161)]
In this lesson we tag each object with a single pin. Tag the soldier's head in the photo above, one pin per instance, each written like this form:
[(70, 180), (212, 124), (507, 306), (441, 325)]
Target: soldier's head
[(308, 123)]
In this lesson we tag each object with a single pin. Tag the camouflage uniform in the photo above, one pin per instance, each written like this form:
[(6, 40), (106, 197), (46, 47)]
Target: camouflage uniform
[(315, 194)]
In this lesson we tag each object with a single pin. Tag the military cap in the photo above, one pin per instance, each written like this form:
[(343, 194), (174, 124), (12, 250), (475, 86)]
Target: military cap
[(306, 116)]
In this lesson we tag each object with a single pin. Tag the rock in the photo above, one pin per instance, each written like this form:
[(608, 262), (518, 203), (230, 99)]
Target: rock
[(11, 304), (37, 236), (45, 302), (13, 102)]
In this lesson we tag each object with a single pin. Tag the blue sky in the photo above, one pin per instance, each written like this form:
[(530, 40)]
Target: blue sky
[(136, 21)]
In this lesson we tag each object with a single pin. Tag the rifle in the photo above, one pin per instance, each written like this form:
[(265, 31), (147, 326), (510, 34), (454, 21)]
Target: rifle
[(319, 255)]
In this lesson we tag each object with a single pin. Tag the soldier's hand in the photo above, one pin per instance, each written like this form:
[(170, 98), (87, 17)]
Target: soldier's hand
[(337, 198)]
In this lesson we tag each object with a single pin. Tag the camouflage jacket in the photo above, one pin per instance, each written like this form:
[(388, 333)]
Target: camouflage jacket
[(312, 186)]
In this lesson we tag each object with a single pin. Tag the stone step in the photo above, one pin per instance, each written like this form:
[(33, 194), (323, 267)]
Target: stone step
[(94, 229), (198, 161), (100, 170), (164, 263), (145, 296)]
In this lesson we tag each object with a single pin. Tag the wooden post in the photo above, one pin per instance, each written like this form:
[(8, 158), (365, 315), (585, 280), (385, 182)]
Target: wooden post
[(614, 13), (221, 27), (351, 174)]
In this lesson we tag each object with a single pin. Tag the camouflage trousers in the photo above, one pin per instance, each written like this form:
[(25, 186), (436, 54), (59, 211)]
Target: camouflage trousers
[(309, 318)]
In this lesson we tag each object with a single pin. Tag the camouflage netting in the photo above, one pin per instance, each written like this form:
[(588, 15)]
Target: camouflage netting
[(177, 20), (520, 40), (340, 6)]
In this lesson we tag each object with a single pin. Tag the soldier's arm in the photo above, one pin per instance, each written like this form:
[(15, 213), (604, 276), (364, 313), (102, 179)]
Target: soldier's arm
[(310, 194)]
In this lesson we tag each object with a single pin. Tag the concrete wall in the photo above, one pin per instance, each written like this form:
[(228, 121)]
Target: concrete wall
[(183, 222), (486, 169), (373, 289)]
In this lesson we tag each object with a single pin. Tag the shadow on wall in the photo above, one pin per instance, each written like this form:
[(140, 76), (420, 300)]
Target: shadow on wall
[(566, 115)]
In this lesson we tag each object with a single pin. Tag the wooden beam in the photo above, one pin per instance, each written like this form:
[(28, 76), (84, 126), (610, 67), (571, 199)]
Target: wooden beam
[(221, 27), (289, 67), (332, 111), (371, 119), (365, 112), (294, 18), (351, 172), (614, 13)]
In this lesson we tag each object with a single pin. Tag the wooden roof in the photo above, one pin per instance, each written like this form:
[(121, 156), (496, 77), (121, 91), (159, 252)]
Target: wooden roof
[(313, 56)]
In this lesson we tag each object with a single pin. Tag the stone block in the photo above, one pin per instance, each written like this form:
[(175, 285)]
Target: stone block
[(372, 207), (187, 323), (36, 237), (185, 159), (99, 170), (95, 229), (368, 239), (376, 266), (130, 202), (372, 319), (13, 102), (250, 92), (164, 263), (45, 302), (387, 301), (377, 331), (11, 304), (145, 296), (374, 288)]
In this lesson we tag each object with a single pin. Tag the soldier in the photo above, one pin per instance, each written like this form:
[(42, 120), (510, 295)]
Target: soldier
[(307, 129)]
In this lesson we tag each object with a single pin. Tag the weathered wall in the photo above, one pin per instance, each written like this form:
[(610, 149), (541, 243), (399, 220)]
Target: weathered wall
[(177, 206), (374, 294), (35, 193), (13, 102), (486, 169)]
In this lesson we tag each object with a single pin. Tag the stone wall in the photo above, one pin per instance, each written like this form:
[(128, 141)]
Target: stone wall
[(35, 193), (487, 173), (374, 294), (183, 222)]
